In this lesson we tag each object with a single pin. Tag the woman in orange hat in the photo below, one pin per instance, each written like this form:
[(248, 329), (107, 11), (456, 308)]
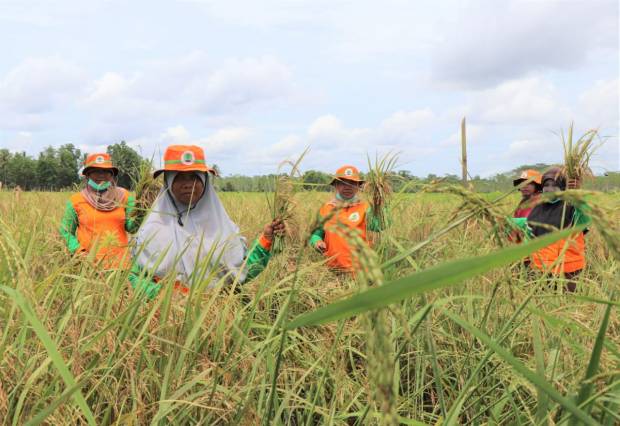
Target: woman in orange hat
[(530, 186), (98, 217), (345, 209), (188, 234)]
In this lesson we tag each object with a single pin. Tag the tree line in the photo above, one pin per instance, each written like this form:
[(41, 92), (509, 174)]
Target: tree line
[(57, 169)]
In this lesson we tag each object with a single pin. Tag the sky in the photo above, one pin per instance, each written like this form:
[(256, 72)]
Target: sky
[(256, 82)]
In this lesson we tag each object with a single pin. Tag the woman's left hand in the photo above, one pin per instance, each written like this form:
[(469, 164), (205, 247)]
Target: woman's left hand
[(276, 227)]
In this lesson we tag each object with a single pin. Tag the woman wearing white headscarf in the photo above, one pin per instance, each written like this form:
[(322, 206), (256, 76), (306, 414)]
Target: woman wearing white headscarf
[(189, 234)]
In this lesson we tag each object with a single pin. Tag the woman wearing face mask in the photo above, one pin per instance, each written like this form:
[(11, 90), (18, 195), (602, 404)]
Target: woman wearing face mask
[(564, 257), (344, 212), (99, 215), (189, 235)]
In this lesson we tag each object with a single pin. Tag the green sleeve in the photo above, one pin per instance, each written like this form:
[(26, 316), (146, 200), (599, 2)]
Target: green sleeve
[(582, 215), (520, 224), (142, 284), (318, 234), (68, 227), (131, 224), (257, 259), (374, 222)]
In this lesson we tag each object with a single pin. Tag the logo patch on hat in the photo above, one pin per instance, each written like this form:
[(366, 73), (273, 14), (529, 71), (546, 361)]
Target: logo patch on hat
[(354, 217), (99, 159), (348, 172), (187, 158)]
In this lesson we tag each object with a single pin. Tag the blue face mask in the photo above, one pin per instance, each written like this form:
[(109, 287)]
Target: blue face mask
[(100, 187)]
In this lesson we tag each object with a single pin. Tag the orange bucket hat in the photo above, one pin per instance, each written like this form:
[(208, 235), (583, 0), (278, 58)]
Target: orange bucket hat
[(532, 175), (350, 173), (184, 158), (99, 161)]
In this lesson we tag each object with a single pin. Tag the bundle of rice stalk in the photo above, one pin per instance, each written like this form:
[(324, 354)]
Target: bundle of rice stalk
[(282, 204), (147, 189), (378, 185), (577, 154)]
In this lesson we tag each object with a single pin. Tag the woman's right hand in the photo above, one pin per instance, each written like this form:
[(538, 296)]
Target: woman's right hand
[(321, 246)]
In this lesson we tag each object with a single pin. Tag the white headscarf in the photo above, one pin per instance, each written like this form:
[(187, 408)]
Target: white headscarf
[(206, 240)]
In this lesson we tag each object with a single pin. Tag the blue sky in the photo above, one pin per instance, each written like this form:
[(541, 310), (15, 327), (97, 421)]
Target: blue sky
[(254, 83)]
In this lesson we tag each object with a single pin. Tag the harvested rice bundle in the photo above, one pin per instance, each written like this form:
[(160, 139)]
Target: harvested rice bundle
[(147, 189), (577, 155), (282, 204), (378, 187)]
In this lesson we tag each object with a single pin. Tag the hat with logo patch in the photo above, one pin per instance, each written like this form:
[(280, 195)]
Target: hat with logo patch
[(99, 161), (184, 158), (347, 173), (533, 176)]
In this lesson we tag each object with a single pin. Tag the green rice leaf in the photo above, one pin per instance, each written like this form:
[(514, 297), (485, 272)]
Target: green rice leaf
[(447, 274), (52, 350), (529, 375)]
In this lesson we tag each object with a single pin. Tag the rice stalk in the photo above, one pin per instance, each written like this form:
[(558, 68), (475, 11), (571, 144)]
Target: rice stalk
[(577, 154), (282, 205), (147, 189), (378, 185), (380, 347), (481, 209)]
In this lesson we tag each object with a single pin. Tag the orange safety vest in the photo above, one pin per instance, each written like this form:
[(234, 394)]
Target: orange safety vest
[(104, 229), (574, 257), (338, 251)]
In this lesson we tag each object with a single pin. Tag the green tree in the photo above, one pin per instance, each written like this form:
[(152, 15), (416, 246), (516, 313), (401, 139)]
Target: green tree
[(47, 170), (69, 159), (22, 171), (5, 159), (128, 162), (316, 180)]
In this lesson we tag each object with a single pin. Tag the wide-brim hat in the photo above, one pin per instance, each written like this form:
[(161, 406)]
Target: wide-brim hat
[(99, 161), (533, 176), (347, 173), (184, 158)]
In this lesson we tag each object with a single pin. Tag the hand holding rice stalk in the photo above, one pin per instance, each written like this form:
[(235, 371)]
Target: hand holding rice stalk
[(147, 189), (577, 155), (283, 204), (378, 186)]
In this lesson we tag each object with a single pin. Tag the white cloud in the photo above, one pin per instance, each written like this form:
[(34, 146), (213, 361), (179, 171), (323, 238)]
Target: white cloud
[(331, 142), (521, 101), (495, 41), (600, 103), (134, 104), (37, 84)]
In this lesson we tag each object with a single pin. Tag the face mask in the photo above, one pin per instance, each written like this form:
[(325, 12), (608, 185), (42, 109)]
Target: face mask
[(341, 198), (99, 186)]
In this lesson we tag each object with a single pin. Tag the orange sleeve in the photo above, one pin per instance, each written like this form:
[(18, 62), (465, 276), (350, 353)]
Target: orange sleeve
[(265, 242)]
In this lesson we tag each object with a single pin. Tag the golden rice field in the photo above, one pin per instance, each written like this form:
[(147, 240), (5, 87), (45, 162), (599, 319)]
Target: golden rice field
[(501, 347)]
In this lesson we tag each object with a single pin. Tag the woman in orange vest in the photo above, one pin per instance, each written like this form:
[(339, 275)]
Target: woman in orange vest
[(565, 257), (188, 234), (352, 213), (99, 215)]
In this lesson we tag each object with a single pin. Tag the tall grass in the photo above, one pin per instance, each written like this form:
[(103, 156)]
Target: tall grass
[(496, 347)]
